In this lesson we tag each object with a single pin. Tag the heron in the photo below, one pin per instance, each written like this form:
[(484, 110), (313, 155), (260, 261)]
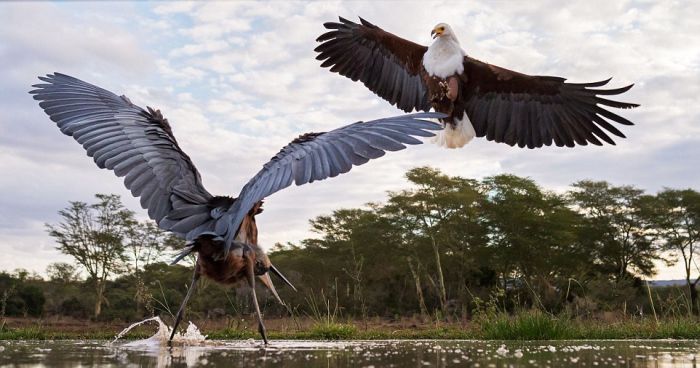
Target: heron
[(139, 145)]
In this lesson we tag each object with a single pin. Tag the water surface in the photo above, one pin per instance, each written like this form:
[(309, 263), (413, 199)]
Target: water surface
[(390, 353)]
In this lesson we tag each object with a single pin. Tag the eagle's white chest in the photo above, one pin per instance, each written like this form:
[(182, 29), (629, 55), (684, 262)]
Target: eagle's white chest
[(444, 58)]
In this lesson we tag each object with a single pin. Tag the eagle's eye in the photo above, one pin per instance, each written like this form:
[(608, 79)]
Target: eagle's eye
[(442, 29)]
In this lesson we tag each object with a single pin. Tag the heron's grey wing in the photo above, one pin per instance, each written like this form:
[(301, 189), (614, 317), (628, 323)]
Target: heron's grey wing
[(317, 156), (136, 144)]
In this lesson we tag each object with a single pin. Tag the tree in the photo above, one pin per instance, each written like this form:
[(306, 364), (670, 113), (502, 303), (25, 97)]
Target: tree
[(145, 243), (532, 233), (62, 272), (19, 295), (94, 236), (676, 217), (439, 217), (617, 229)]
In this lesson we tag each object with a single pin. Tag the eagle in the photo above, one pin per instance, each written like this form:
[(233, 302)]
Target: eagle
[(480, 99)]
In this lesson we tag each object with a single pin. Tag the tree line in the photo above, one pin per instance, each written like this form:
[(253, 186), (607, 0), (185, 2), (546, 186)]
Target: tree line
[(446, 247)]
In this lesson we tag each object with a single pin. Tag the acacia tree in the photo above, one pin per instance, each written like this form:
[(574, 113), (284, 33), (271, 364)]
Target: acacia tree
[(62, 272), (438, 215), (676, 217), (532, 234), (144, 244), (618, 230), (94, 236)]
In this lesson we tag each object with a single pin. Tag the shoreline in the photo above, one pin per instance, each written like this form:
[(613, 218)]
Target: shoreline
[(523, 326)]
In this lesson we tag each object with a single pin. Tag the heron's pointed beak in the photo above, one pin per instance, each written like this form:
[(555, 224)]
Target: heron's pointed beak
[(281, 276), (267, 281)]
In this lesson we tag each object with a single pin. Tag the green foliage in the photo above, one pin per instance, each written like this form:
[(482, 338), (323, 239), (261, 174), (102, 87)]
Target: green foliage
[(333, 331), (616, 228), (20, 297), (446, 251), (529, 325)]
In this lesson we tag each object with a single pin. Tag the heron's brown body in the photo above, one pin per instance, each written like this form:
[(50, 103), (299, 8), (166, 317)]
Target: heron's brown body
[(233, 268), (226, 271)]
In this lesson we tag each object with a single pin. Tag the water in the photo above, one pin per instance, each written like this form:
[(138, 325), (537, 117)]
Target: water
[(191, 349), (427, 353)]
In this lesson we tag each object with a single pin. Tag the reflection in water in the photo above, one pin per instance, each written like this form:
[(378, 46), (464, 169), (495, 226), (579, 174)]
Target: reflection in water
[(427, 353)]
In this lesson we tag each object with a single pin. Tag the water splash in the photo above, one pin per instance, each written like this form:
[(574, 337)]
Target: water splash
[(191, 336)]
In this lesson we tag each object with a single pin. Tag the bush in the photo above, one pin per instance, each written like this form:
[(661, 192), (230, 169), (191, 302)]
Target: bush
[(33, 300), (73, 307)]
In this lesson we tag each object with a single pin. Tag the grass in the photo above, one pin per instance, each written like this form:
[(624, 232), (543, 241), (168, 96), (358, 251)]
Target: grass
[(527, 325), (533, 325)]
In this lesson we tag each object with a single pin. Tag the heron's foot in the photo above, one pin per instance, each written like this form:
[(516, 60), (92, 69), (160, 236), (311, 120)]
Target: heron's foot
[(263, 332)]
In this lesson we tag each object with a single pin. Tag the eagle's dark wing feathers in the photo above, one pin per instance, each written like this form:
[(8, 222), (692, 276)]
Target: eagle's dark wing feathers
[(532, 111), (388, 65)]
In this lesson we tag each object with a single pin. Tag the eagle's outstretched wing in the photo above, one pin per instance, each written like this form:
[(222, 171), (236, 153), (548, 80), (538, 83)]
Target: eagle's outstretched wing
[(503, 105), (388, 65), (317, 156), (135, 143), (515, 108)]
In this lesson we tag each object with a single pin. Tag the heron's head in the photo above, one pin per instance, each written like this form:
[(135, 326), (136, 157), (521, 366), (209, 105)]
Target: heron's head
[(442, 30), (263, 268)]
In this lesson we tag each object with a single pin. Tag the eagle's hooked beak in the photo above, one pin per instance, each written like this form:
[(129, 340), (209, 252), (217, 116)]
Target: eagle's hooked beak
[(435, 33)]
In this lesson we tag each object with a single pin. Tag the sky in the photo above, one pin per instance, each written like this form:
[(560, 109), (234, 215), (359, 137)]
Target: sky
[(238, 80)]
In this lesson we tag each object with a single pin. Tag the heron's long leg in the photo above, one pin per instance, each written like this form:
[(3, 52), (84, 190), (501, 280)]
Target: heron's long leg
[(250, 275), (181, 311)]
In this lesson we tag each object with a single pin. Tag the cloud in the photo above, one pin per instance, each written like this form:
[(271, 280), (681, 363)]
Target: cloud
[(238, 80)]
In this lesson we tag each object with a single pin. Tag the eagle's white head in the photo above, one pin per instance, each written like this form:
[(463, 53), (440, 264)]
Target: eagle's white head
[(444, 56), (443, 30)]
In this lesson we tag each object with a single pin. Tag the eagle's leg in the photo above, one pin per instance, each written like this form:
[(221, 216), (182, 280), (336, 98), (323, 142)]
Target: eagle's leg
[(181, 311), (452, 88), (250, 275)]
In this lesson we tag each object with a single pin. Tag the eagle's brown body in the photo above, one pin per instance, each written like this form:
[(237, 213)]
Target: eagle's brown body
[(442, 94), (501, 105)]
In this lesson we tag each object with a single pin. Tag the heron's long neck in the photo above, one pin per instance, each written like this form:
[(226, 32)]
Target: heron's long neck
[(444, 57), (248, 232)]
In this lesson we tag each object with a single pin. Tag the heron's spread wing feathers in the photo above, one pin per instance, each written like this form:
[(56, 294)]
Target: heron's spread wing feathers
[(515, 108), (139, 145), (317, 156), (136, 144), (387, 64)]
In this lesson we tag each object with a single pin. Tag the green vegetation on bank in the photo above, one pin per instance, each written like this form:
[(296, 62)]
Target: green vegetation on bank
[(496, 258), (530, 325)]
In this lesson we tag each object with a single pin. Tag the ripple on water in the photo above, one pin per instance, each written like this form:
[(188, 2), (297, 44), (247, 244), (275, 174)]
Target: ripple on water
[(193, 349)]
